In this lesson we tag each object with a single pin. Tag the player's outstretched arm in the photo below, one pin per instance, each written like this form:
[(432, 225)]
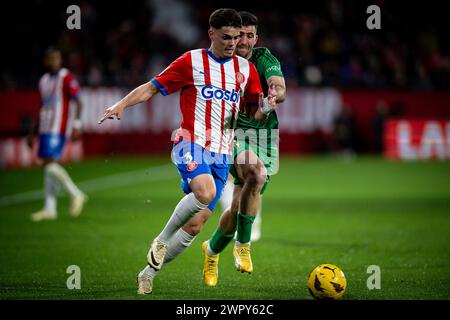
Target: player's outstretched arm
[(138, 95), (267, 104)]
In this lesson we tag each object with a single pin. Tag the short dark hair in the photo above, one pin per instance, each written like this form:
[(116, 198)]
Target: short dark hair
[(248, 19), (51, 49), (225, 18)]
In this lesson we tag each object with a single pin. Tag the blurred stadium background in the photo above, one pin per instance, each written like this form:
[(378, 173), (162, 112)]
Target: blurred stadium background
[(365, 144), (344, 80)]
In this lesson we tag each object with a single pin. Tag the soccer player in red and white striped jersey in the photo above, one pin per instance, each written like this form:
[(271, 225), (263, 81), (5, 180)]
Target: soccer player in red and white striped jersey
[(210, 96), (57, 88), (214, 83)]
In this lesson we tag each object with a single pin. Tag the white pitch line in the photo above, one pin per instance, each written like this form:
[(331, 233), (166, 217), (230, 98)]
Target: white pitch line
[(124, 179)]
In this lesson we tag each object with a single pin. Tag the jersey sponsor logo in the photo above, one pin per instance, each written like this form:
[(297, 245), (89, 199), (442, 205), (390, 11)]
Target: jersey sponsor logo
[(273, 68), (240, 78), (208, 92)]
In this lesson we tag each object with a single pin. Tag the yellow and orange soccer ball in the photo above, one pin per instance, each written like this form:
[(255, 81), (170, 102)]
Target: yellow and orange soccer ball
[(327, 281)]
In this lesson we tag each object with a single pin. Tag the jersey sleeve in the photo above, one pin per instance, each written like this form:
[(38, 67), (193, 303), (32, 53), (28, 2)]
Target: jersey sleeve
[(250, 102), (71, 86), (271, 65), (177, 75), (253, 88)]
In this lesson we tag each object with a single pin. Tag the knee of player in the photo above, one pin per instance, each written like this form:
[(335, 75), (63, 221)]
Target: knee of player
[(256, 176), (206, 195)]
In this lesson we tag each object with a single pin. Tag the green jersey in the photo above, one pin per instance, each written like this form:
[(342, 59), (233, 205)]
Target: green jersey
[(258, 136), (266, 65)]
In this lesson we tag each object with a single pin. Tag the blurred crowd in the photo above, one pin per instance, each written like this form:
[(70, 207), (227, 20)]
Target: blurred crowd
[(318, 43)]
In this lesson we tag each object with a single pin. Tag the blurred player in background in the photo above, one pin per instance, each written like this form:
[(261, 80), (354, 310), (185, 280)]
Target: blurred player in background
[(212, 82), (57, 87), (252, 167)]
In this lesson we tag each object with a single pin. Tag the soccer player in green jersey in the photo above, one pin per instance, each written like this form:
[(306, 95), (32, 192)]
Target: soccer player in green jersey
[(269, 71), (253, 162)]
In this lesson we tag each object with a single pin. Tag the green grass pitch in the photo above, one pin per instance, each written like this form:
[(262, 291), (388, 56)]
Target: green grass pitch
[(316, 210)]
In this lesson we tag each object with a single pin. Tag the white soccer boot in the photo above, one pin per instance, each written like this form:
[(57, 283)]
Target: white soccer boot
[(156, 254), (77, 203), (145, 283), (44, 214)]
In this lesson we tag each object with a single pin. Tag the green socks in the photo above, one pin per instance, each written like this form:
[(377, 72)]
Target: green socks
[(244, 227), (219, 241)]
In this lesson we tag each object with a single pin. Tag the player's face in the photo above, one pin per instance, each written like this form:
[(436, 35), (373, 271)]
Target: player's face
[(247, 41), (224, 41), (53, 60)]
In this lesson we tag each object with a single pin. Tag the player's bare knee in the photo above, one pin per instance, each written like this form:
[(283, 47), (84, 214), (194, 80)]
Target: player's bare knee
[(204, 188), (205, 195), (255, 176)]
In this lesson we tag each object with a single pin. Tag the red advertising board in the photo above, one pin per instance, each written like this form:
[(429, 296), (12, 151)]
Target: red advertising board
[(306, 121), (417, 139)]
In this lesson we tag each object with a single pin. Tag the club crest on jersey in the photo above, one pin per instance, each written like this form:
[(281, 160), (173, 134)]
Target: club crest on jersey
[(209, 92), (191, 166), (240, 78)]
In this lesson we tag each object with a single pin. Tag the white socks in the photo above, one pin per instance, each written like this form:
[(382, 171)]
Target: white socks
[(177, 239), (54, 176), (177, 244), (186, 209), (51, 190), (210, 251), (60, 174)]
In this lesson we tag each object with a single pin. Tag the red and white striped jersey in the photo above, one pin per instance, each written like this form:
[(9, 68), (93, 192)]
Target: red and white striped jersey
[(211, 92), (56, 90)]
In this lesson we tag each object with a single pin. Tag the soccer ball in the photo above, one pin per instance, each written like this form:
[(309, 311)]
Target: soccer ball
[(327, 281)]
